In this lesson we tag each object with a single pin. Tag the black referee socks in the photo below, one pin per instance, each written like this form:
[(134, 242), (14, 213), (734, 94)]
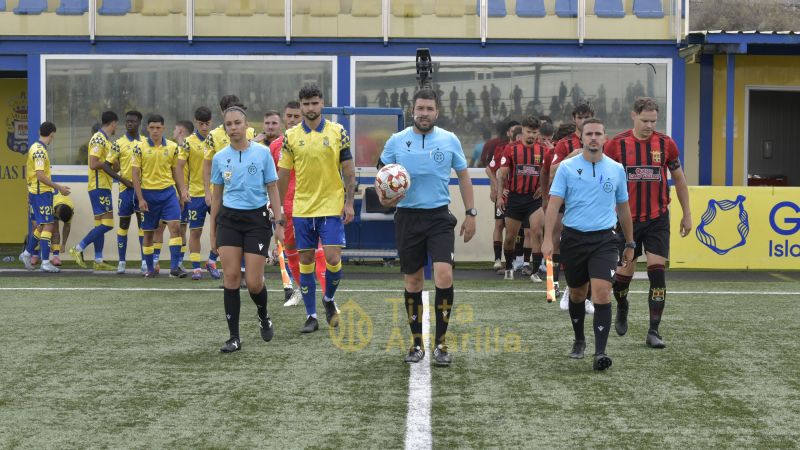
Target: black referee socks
[(577, 312), (260, 300), (602, 323), (444, 303), (414, 310), (232, 305)]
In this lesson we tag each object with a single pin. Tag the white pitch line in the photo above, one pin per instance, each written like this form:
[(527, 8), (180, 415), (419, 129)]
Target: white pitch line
[(467, 291), (418, 419)]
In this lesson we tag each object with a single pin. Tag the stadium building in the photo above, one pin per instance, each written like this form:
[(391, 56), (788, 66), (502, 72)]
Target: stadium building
[(67, 61)]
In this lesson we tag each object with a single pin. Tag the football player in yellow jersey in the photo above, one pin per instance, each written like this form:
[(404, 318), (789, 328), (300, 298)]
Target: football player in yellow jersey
[(99, 193), (319, 153), (40, 199), (183, 129), (119, 160), (155, 178), (63, 210), (191, 158)]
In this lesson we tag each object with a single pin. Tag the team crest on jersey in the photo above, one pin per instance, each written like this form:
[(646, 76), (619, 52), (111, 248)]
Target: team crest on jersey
[(438, 156), (251, 169), (656, 154), (301, 142), (537, 159), (326, 142), (166, 152), (608, 186)]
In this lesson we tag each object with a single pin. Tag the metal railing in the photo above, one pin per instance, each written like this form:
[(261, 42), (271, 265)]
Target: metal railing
[(679, 20)]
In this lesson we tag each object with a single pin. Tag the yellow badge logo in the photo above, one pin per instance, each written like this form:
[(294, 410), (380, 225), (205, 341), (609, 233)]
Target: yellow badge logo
[(355, 330), (656, 156)]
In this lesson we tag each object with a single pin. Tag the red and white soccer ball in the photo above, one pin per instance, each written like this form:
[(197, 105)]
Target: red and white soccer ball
[(393, 180)]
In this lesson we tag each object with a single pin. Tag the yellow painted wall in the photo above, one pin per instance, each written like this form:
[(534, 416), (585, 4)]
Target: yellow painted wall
[(774, 71), (691, 137), (14, 140)]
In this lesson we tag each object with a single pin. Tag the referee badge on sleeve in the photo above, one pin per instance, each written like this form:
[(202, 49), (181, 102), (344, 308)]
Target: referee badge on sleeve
[(227, 175)]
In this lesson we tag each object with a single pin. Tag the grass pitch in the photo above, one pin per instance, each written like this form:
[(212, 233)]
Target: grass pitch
[(141, 368)]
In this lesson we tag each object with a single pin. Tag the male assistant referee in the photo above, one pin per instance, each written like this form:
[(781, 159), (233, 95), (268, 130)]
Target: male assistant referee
[(594, 191), (423, 223)]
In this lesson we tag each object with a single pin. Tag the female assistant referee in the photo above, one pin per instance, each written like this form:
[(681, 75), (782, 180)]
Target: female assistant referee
[(244, 178)]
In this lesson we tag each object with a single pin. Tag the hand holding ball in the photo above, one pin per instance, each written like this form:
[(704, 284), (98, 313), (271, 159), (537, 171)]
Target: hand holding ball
[(393, 180)]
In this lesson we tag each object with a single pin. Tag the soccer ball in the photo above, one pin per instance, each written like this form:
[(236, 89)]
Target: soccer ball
[(393, 180)]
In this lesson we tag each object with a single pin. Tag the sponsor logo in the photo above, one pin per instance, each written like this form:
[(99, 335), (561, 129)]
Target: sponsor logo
[(643, 173), (527, 170), (742, 228), (784, 218)]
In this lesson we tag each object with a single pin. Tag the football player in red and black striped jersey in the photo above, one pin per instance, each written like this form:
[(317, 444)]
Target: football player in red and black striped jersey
[(646, 155), (519, 173), (492, 151)]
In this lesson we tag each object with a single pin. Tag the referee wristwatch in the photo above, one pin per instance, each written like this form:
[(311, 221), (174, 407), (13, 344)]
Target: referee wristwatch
[(630, 245), (281, 222), (471, 212)]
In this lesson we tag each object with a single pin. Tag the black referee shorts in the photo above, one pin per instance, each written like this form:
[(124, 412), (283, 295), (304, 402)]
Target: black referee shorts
[(651, 234), (249, 230), (586, 255), (419, 232), (521, 206)]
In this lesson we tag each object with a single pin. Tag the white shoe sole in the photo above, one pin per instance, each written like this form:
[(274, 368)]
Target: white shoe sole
[(295, 299)]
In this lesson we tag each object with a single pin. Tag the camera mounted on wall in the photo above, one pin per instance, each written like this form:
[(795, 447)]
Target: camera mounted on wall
[(424, 69)]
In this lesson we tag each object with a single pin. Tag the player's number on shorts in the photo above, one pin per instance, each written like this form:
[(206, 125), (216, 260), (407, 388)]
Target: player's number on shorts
[(45, 210), (192, 214), (105, 200)]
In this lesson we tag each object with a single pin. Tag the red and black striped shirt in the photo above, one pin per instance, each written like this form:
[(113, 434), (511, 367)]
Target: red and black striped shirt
[(562, 149), (646, 163), (524, 167)]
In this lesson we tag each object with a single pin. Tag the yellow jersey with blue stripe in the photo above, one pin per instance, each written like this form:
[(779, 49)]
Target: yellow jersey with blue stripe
[(38, 159), (122, 151), (316, 157), (193, 152), (100, 147), (218, 139), (156, 161), (59, 200)]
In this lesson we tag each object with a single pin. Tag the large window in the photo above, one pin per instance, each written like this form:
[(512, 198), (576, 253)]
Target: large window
[(78, 89), (477, 94)]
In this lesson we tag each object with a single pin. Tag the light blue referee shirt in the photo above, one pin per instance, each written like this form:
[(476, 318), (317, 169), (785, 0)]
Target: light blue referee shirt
[(428, 159), (244, 175), (591, 192)]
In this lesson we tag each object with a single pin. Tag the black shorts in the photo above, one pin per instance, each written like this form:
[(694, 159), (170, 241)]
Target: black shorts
[(498, 213), (586, 255), (249, 230), (652, 234), (521, 206), (419, 232)]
